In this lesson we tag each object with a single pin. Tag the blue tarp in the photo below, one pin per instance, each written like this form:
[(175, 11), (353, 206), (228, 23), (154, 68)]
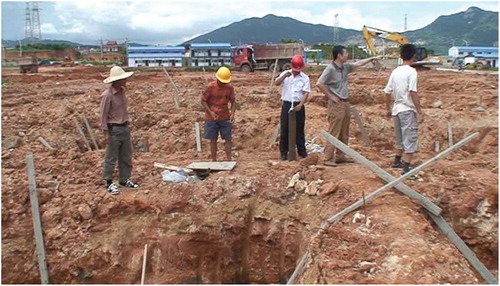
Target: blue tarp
[(134, 50)]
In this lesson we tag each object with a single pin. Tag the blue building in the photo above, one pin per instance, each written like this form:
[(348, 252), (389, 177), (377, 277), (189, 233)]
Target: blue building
[(155, 56), (471, 54), (211, 54)]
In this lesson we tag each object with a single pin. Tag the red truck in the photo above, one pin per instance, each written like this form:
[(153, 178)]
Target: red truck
[(251, 57)]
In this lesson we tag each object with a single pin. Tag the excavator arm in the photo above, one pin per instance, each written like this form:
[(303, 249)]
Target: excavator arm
[(369, 33)]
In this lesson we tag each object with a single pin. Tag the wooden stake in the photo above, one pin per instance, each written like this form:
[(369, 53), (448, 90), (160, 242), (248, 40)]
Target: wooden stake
[(79, 128), (362, 129), (436, 146), (275, 135), (198, 138), (91, 132), (450, 135), (205, 76), (143, 276), (292, 136), (37, 222), (45, 143), (176, 95)]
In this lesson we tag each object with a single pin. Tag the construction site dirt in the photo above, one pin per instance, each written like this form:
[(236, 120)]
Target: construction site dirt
[(244, 225)]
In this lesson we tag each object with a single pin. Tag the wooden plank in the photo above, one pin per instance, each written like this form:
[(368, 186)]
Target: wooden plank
[(89, 129), (172, 168), (292, 135), (143, 276), (275, 135), (450, 135), (79, 128), (45, 143), (215, 166), (462, 247), (393, 183), (198, 137), (382, 173), (37, 222), (362, 129), (176, 94), (375, 194)]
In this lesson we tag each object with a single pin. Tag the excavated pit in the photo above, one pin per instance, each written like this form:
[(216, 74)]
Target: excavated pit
[(242, 226)]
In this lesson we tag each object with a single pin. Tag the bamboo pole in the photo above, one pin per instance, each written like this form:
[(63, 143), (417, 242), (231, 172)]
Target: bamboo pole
[(45, 143), (198, 138), (274, 72)]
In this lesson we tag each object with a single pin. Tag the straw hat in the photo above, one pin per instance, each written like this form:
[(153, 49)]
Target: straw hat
[(117, 73)]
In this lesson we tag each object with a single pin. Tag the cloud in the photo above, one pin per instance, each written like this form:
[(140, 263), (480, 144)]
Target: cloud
[(48, 28)]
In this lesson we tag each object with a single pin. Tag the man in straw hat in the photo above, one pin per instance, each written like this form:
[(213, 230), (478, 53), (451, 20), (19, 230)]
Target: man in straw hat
[(218, 118), (114, 123), (296, 89)]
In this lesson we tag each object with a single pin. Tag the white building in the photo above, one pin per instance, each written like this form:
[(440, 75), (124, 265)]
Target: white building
[(211, 54), (155, 56), (488, 54)]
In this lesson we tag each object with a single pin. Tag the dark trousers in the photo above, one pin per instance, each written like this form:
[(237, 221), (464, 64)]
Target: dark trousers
[(301, 122), (119, 149)]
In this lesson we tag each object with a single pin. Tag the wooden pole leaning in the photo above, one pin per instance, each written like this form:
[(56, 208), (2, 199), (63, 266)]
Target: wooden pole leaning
[(89, 129), (375, 194), (79, 128), (176, 95), (433, 208), (361, 127), (37, 222), (274, 72)]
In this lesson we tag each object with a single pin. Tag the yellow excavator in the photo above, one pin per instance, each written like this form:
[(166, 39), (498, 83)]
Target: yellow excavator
[(422, 59)]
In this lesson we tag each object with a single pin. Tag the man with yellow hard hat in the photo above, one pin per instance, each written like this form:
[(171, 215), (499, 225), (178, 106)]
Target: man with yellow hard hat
[(218, 118)]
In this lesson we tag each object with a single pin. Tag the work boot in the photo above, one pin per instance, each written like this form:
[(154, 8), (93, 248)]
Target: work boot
[(343, 159), (284, 157)]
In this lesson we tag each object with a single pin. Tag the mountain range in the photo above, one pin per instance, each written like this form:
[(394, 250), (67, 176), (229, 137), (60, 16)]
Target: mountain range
[(473, 27)]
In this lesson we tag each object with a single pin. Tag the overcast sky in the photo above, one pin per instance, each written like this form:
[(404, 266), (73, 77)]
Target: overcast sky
[(173, 22)]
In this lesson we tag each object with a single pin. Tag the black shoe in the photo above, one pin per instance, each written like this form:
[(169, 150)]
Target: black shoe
[(284, 157), (129, 184), (398, 165), (412, 177), (303, 155)]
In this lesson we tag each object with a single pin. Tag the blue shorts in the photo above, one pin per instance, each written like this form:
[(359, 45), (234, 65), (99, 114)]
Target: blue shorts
[(212, 129)]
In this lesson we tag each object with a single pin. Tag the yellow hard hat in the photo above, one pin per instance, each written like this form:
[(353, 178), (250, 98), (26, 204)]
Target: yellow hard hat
[(223, 75)]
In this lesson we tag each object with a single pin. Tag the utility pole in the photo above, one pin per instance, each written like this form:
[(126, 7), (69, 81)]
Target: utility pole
[(336, 29), (28, 31), (20, 49), (35, 22), (102, 56), (406, 23)]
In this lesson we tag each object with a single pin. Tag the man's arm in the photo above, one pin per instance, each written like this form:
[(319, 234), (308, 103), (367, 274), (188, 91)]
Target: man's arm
[(302, 102), (365, 61), (328, 94), (103, 113), (388, 105), (416, 102), (233, 108), (282, 77), (207, 109)]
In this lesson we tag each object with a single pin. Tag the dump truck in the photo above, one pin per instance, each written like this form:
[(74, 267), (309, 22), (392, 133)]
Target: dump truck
[(248, 58), (28, 64)]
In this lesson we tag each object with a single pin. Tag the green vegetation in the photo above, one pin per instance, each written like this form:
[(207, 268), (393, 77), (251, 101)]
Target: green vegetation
[(4, 81), (289, 40), (44, 47), (327, 51)]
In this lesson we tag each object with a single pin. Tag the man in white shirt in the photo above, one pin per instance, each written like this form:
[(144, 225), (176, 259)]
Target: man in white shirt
[(296, 89), (406, 110)]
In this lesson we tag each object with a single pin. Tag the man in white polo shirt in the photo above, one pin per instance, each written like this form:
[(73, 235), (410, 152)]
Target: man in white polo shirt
[(406, 110), (296, 89)]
